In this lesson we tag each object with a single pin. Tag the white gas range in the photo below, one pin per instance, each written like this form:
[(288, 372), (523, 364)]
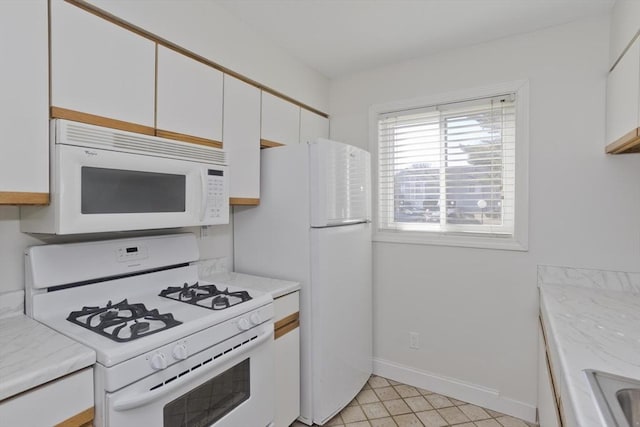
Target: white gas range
[(171, 350)]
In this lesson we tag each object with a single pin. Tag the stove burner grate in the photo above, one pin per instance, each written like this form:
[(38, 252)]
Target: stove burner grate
[(207, 296), (122, 322)]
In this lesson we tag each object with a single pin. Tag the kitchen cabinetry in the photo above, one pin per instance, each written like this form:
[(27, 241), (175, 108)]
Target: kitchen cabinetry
[(287, 349), (623, 81), (623, 103), (280, 121), (24, 156), (66, 402), (313, 126), (100, 72), (548, 402), (241, 138), (189, 99)]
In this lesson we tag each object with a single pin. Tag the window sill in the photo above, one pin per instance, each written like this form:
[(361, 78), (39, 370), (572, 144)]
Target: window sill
[(456, 240)]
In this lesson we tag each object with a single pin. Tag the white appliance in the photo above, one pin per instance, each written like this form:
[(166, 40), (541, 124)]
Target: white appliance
[(110, 180), (170, 351), (312, 226)]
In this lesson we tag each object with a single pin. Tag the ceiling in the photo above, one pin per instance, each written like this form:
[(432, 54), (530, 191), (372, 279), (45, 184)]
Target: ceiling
[(339, 37)]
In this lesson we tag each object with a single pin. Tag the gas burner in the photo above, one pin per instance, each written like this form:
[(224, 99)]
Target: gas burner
[(208, 296), (111, 321)]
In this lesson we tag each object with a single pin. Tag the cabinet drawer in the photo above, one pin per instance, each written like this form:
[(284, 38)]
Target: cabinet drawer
[(52, 403)]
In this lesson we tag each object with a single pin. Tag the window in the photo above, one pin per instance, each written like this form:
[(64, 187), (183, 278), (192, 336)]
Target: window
[(453, 172)]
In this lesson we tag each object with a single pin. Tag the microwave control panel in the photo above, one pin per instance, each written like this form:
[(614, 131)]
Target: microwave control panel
[(216, 206)]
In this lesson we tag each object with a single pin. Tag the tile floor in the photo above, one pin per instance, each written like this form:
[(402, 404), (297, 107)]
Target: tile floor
[(387, 403)]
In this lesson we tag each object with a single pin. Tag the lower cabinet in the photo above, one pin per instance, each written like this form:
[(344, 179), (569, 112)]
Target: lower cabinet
[(287, 369), (66, 402), (548, 401)]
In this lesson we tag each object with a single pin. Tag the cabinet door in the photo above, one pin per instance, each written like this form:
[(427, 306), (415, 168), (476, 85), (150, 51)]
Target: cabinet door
[(548, 415), (280, 121), (241, 138), (189, 97), (287, 369), (24, 156), (101, 69), (312, 126), (623, 101)]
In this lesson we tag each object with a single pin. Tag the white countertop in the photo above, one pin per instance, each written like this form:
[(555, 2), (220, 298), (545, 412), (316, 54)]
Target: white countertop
[(32, 354), (589, 329), (275, 287)]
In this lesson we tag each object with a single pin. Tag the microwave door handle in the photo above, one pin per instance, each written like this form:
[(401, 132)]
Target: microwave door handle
[(144, 398), (203, 194)]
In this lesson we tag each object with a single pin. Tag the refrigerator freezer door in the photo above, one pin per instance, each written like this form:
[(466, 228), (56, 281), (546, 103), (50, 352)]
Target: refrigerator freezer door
[(340, 183), (341, 310)]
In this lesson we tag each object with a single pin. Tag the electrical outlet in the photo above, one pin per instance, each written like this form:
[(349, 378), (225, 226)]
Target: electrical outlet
[(414, 340)]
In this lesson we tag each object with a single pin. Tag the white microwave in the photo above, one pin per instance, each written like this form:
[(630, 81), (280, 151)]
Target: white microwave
[(111, 180)]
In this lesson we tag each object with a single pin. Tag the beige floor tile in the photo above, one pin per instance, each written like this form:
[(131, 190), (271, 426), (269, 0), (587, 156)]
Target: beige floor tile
[(376, 382), (457, 402), (494, 414), (387, 393), (406, 390), (508, 421), (335, 421), (407, 420), (397, 407), (383, 422), (487, 423), (367, 396), (351, 414), (431, 419), (358, 424), (474, 412), (418, 404), (453, 415), (374, 410), (438, 401), (298, 424), (466, 425), (392, 382), (423, 391), (354, 402)]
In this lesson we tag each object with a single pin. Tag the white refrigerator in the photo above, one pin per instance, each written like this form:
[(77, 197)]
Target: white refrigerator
[(313, 226)]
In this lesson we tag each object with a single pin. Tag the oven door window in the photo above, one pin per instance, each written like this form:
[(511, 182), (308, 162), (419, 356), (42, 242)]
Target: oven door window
[(206, 404), (112, 191)]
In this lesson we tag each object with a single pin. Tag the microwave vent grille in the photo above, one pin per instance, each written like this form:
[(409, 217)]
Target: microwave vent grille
[(112, 139)]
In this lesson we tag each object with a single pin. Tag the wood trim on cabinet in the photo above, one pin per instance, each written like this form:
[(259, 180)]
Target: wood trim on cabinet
[(554, 381), (92, 119), (169, 45), (628, 143), (265, 143), (244, 201), (188, 138), (84, 418), (23, 198), (286, 325)]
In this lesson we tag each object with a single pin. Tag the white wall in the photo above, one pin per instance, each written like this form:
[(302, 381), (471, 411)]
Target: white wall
[(209, 30), (476, 310)]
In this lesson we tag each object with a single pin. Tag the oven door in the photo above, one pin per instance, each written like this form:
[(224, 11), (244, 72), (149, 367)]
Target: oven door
[(101, 190), (228, 385)]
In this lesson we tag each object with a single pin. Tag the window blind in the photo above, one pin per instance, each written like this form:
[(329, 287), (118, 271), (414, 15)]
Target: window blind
[(449, 168)]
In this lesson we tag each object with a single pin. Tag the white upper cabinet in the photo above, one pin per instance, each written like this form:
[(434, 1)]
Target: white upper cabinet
[(280, 120), (241, 139), (24, 156), (623, 89), (625, 23), (313, 126), (100, 68), (189, 96)]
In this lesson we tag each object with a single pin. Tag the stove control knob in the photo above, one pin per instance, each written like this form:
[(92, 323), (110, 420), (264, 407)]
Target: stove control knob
[(255, 318), (243, 324), (180, 352), (158, 361)]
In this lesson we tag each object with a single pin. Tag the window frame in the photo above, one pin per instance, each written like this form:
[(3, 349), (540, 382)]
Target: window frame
[(517, 241)]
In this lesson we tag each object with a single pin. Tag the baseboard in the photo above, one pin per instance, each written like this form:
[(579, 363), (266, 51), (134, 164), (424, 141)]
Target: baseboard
[(472, 393)]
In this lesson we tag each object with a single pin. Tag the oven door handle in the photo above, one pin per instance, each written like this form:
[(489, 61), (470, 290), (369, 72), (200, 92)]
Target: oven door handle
[(138, 400)]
